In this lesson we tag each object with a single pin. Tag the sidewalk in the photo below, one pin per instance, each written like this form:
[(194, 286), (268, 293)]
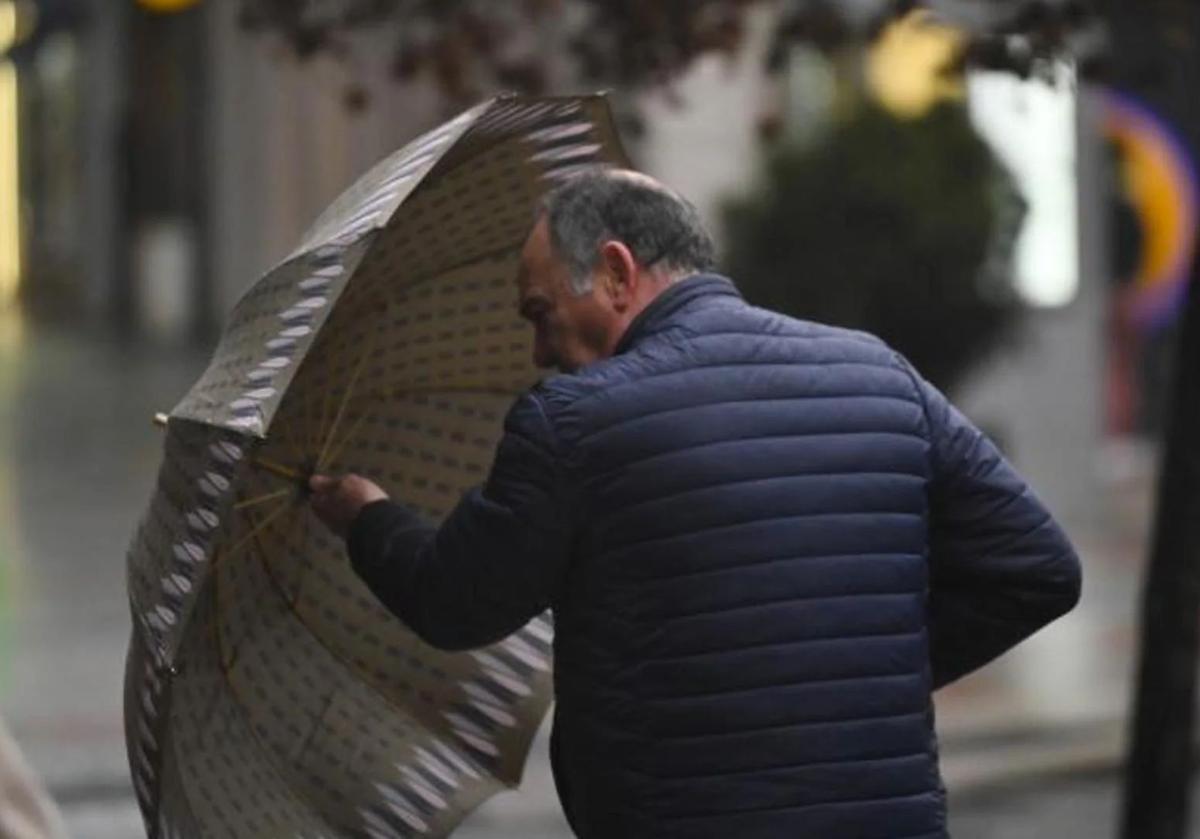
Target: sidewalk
[(78, 456)]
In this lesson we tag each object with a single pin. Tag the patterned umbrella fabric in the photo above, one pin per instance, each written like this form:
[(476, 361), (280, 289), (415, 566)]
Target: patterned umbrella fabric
[(267, 692)]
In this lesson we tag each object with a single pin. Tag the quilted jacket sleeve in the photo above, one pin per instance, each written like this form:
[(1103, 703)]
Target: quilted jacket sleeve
[(1000, 566), (494, 563)]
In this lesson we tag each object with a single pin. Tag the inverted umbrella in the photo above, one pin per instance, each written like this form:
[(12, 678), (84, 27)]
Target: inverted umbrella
[(267, 692)]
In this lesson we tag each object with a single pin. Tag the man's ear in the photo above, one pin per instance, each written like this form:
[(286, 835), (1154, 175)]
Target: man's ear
[(620, 273)]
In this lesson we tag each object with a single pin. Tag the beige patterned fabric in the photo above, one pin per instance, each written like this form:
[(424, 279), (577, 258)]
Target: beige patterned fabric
[(267, 692)]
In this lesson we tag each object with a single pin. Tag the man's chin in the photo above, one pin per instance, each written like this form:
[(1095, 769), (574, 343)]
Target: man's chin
[(565, 365), (557, 364)]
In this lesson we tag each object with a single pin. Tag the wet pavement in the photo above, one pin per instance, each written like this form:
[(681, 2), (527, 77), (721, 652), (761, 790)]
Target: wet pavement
[(78, 456)]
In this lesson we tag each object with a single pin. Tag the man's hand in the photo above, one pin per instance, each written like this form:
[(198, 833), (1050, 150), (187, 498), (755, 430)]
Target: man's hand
[(337, 501)]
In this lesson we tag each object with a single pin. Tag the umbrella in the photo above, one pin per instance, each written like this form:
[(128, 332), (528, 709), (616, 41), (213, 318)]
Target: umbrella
[(267, 692)]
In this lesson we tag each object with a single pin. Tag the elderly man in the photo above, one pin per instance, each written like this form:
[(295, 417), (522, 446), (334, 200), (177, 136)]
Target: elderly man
[(765, 541)]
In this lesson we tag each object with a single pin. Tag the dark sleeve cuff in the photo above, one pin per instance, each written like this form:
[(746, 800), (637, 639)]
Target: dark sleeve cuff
[(368, 537)]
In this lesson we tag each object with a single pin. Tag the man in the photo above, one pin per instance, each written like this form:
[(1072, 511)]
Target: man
[(765, 542)]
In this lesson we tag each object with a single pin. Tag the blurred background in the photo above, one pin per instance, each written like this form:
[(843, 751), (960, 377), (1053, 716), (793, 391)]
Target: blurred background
[(1003, 190)]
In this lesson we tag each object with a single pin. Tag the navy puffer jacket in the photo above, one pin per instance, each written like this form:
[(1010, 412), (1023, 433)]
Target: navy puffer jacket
[(765, 542)]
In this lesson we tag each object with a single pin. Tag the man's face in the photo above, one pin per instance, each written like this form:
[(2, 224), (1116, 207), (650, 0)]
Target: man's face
[(569, 331)]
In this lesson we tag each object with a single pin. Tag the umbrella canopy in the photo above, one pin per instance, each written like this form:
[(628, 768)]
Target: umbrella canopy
[(267, 692)]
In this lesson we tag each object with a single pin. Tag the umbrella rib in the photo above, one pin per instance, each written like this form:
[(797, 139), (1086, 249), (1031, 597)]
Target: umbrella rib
[(300, 432), (349, 435), (316, 419), (312, 420), (305, 532), (309, 430), (343, 662), (270, 572), (434, 390), (310, 807), (328, 437), (279, 765), (261, 499), (312, 732), (240, 543), (425, 391), (288, 439), (218, 635), (434, 274), (403, 391), (179, 789), (327, 401), (221, 558), (277, 469)]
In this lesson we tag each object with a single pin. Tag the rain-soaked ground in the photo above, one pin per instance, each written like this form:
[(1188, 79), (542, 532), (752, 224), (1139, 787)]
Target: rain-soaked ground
[(1026, 741)]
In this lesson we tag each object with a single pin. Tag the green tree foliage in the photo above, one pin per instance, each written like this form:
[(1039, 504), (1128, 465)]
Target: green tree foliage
[(883, 225)]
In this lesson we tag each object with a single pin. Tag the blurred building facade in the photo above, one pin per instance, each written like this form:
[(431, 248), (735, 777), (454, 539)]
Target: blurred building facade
[(172, 157), (169, 157)]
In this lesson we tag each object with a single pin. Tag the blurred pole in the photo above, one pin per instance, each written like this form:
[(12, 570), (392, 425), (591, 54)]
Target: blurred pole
[(102, 100), (165, 154), (1156, 51)]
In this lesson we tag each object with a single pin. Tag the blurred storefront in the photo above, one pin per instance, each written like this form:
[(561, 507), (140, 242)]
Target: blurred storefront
[(38, 114), (110, 127), (168, 157)]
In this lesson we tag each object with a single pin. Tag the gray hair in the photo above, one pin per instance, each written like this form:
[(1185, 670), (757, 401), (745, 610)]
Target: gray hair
[(658, 226)]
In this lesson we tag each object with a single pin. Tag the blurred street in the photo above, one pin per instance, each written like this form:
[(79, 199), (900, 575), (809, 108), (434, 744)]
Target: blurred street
[(78, 459)]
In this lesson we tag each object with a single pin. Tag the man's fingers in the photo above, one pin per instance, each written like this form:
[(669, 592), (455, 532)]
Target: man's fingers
[(337, 500), (322, 483)]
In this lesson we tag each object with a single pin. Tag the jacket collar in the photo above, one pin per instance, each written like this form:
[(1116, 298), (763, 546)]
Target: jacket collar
[(679, 294)]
